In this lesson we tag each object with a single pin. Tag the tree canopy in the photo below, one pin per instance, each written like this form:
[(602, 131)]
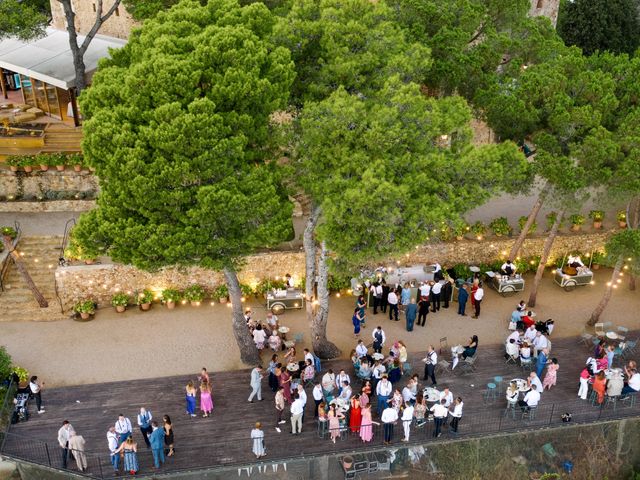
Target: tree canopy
[(24, 20), (600, 25)]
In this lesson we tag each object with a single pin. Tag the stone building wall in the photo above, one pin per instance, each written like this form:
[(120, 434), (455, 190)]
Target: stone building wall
[(545, 8), (100, 282), (49, 185), (119, 25)]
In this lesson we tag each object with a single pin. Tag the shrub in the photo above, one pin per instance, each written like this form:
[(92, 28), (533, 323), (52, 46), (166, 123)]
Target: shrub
[(246, 290), (460, 228), (521, 222), (462, 271), (85, 306), (596, 215), (598, 257), (5, 363), (146, 296), (479, 228), (500, 226), (338, 282), (267, 285), (621, 216), (14, 160), (551, 219), (171, 295), (120, 300), (8, 232), (22, 373), (221, 291), (576, 219), (194, 293)]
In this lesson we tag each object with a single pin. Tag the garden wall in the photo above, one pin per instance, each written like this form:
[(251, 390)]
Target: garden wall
[(99, 282), (49, 185)]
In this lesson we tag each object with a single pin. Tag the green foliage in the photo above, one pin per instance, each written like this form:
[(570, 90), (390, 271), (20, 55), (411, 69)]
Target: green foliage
[(5, 363), (335, 282), (194, 293), (551, 219), (8, 232), (22, 373), (146, 296), (220, 291), (189, 183), (462, 271), (460, 228), (246, 290), (85, 306), (596, 215), (77, 251), (143, 9), (625, 244), (24, 20), (120, 300), (267, 285), (599, 25), (576, 219), (478, 228), (621, 216), (523, 220), (525, 265), (500, 226), (598, 257), (171, 295)]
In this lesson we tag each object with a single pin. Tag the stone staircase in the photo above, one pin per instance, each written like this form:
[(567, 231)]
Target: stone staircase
[(17, 302)]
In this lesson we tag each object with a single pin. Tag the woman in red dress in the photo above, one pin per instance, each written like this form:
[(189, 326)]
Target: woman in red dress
[(355, 414), (284, 381)]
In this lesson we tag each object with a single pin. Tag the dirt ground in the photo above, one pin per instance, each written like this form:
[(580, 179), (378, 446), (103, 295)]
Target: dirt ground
[(165, 342)]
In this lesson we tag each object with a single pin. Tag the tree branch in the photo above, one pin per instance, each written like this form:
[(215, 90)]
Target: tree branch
[(100, 19)]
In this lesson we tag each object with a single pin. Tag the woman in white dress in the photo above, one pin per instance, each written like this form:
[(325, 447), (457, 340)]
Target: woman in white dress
[(257, 436)]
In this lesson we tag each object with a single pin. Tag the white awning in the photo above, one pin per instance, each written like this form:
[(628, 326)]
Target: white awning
[(49, 58)]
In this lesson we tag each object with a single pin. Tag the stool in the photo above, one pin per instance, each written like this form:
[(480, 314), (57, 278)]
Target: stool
[(498, 381), (490, 393), (511, 408)]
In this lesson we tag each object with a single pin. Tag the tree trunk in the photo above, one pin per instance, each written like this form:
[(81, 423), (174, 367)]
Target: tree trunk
[(8, 245), (595, 315), (525, 230), (321, 345), (309, 244), (248, 352), (548, 243)]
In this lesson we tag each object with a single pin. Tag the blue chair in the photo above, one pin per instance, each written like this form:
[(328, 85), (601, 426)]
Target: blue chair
[(498, 381)]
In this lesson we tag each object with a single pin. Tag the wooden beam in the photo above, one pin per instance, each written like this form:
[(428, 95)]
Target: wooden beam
[(3, 85)]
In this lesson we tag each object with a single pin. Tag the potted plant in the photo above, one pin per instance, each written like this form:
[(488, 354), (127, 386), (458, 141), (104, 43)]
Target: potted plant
[(479, 229), (576, 221), (144, 299), (75, 159), (170, 296), (551, 219), (221, 293), (523, 220), (596, 259), (500, 226), (60, 161), (43, 161), (194, 294), (8, 232), (120, 301), (85, 308), (23, 375), (27, 163), (460, 229), (621, 216), (597, 216), (14, 162)]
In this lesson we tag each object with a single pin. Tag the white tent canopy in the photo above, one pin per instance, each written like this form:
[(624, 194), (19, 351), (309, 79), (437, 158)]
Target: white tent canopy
[(49, 58)]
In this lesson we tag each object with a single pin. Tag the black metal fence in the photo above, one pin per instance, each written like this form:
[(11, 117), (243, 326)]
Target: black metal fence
[(237, 452)]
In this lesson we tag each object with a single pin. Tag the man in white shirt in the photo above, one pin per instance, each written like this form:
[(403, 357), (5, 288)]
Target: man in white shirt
[(63, 440), (388, 418), (256, 384), (408, 396), (361, 349), (531, 399), (431, 360), (144, 422), (534, 381), (508, 268), (512, 350), (328, 381), (539, 343), (308, 356), (272, 321), (425, 289), (447, 396), (477, 298), (123, 428), (456, 414), (440, 413), (383, 390), (530, 334), (297, 409), (345, 393), (341, 378), (378, 371), (407, 418), (112, 442), (378, 339), (436, 288), (392, 300), (515, 335), (302, 395), (317, 398), (36, 392), (376, 291)]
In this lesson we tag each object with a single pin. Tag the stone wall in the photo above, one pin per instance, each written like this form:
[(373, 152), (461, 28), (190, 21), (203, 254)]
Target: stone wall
[(49, 185), (99, 282), (48, 206), (119, 25), (545, 8)]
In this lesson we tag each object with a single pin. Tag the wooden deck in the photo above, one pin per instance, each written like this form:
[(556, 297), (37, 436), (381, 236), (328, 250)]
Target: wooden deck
[(223, 438)]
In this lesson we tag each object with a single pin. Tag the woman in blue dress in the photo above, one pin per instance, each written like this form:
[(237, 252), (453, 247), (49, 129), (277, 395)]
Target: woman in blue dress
[(129, 447), (356, 319), (361, 303)]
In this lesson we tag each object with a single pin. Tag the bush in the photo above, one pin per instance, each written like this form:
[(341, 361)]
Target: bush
[(146, 296), (120, 300), (576, 219), (462, 271), (171, 295), (85, 306), (460, 228), (267, 285), (479, 228), (596, 215), (5, 363), (551, 219), (221, 292), (75, 251), (521, 222), (621, 216), (336, 283), (500, 226), (194, 293), (8, 232), (598, 257), (246, 290), (22, 373)]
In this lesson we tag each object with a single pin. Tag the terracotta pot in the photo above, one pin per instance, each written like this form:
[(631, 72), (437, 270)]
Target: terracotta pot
[(77, 168), (171, 305), (460, 237), (120, 308), (595, 266), (194, 303), (597, 225), (85, 316), (347, 462), (28, 168), (44, 168), (13, 168), (89, 261), (622, 224), (60, 168), (145, 306), (222, 299), (575, 228)]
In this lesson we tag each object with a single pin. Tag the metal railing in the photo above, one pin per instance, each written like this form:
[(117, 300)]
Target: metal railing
[(4, 265), (232, 453), (61, 260), (6, 409)]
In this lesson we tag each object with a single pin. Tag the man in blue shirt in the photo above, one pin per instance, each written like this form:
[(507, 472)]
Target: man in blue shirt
[(157, 444)]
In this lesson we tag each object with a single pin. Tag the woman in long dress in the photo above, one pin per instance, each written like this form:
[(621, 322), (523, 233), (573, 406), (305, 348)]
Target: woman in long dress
[(366, 427), (356, 319), (259, 337), (257, 437), (551, 375), (190, 397), (355, 416), (129, 447), (285, 383), (334, 423), (206, 402), (168, 434), (600, 386)]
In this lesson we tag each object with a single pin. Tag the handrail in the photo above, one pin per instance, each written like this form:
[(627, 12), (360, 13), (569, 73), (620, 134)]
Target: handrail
[(4, 265), (3, 410), (61, 260)]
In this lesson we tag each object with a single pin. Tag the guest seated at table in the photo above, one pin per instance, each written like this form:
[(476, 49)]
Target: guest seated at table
[(365, 370), (615, 384), (512, 393), (531, 399), (328, 381), (633, 385), (631, 365), (508, 268), (272, 321), (309, 372), (275, 342), (447, 396), (528, 321), (525, 352), (259, 337), (539, 343), (532, 380), (408, 395), (470, 349), (530, 334), (345, 391), (511, 349), (290, 356)]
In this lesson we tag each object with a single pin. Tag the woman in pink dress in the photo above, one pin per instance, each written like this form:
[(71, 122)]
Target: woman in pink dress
[(334, 423), (550, 377), (206, 402), (366, 427), (285, 382)]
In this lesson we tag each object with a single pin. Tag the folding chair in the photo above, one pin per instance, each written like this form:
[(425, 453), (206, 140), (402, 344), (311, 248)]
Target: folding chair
[(512, 359), (599, 329)]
